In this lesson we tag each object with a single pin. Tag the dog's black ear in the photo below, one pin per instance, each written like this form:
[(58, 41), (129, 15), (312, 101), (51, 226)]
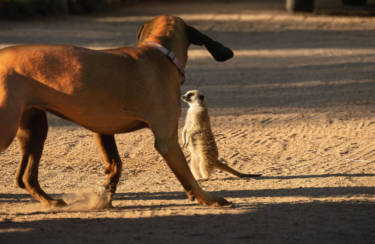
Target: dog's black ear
[(218, 51), (140, 32)]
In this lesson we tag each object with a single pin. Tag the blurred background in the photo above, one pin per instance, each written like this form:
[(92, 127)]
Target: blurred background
[(26, 9)]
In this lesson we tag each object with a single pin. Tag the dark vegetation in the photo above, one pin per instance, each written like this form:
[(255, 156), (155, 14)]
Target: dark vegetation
[(28, 9)]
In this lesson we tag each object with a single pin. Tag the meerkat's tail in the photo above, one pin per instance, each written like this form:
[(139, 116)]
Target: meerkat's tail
[(228, 169)]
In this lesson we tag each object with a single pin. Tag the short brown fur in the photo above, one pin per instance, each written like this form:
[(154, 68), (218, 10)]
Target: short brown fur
[(101, 91)]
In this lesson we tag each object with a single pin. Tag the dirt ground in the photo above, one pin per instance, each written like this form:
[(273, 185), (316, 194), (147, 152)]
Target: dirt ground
[(296, 104)]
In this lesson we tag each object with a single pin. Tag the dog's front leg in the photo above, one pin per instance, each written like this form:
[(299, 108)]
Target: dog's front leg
[(172, 153), (108, 148)]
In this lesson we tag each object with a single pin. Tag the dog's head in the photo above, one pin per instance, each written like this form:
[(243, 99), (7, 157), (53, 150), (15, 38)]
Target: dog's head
[(164, 29)]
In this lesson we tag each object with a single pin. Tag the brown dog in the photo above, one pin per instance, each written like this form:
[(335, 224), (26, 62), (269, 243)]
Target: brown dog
[(109, 91)]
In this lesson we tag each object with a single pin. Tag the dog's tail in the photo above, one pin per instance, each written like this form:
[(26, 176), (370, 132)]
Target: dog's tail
[(228, 169)]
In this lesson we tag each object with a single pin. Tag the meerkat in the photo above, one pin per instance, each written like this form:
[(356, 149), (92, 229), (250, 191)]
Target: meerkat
[(197, 135)]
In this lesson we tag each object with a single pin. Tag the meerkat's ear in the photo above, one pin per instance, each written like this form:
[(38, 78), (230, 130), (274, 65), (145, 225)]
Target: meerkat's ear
[(201, 97), (218, 51)]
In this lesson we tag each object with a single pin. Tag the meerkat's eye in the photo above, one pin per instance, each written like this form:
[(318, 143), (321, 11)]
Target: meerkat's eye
[(201, 97), (189, 95)]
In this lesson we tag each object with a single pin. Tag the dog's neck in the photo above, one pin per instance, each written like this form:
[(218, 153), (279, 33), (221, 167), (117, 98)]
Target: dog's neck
[(171, 56)]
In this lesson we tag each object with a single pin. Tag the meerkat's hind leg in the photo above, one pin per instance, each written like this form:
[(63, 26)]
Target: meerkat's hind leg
[(194, 166), (205, 168), (228, 169)]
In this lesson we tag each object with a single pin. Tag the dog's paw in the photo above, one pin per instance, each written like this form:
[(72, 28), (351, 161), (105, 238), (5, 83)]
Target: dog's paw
[(55, 203), (214, 201)]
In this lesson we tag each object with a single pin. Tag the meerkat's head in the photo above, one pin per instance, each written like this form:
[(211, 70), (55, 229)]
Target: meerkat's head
[(194, 98)]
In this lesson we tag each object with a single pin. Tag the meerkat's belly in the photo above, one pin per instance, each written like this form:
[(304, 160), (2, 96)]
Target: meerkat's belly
[(204, 143)]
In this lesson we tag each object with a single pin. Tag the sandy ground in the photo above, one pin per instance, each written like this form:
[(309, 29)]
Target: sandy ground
[(296, 104)]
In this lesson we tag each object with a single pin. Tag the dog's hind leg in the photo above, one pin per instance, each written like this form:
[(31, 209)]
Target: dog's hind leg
[(108, 148), (10, 114), (8, 127), (31, 135)]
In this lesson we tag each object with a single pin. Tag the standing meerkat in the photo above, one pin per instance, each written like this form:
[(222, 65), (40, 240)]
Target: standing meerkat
[(197, 135)]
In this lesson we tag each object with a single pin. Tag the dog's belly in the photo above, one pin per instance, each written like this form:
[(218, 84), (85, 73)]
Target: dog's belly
[(103, 124), (115, 128), (112, 125)]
